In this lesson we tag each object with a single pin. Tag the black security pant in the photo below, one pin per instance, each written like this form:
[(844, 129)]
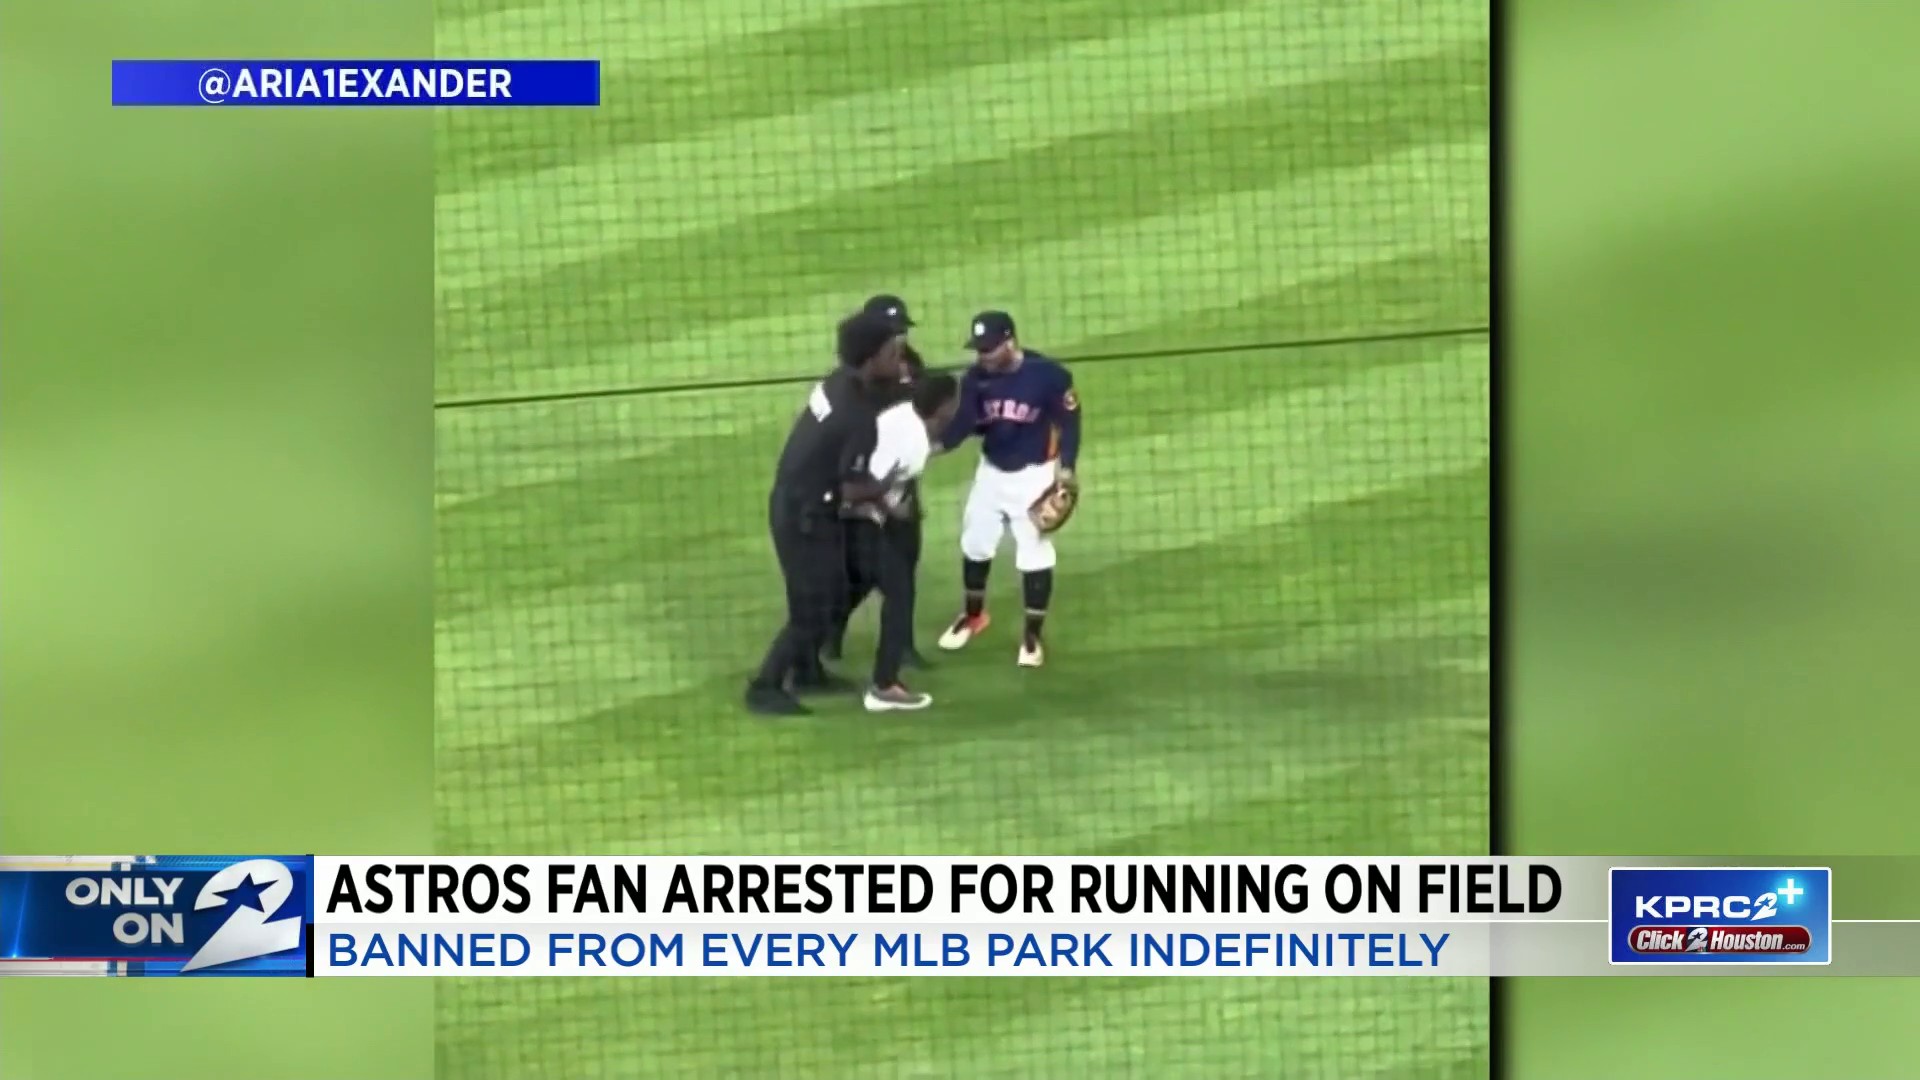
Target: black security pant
[(810, 542), (887, 558)]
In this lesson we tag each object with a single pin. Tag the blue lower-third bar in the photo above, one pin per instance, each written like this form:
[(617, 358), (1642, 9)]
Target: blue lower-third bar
[(357, 83)]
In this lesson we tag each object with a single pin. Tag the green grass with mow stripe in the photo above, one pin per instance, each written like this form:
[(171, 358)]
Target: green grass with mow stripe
[(1271, 612)]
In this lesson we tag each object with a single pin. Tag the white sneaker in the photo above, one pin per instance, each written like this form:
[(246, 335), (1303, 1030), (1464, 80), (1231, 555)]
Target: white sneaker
[(964, 629), (896, 698), (1032, 653)]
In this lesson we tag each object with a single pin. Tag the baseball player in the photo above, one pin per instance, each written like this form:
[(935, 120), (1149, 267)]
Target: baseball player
[(1023, 407)]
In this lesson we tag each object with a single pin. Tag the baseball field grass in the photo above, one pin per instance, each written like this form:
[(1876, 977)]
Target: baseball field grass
[(1270, 625)]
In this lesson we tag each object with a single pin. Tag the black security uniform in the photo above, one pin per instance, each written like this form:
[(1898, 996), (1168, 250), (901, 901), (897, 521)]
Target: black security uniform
[(831, 440)]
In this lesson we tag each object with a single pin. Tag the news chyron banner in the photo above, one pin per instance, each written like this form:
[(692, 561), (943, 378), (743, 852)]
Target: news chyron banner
[(381, 916)]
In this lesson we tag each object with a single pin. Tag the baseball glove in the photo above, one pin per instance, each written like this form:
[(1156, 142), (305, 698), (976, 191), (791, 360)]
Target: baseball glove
[(1055, 506)]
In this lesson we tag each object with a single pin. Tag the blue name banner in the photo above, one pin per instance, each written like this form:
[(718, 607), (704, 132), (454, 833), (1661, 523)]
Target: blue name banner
[(357, 83), (1720, 915), (156, 915)]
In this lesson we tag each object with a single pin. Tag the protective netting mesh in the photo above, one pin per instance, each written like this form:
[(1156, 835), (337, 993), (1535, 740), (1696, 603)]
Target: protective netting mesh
[(1269, 629)]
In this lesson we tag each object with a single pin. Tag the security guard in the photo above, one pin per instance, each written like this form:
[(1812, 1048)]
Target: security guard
[(902, 530), (823, 476)]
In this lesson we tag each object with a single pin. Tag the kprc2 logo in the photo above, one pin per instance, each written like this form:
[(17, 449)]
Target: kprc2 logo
[(1719, 915)]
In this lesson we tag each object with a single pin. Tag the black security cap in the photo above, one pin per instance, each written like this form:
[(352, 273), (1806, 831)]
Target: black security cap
[(862, 334), (991, 329), (891, 307)]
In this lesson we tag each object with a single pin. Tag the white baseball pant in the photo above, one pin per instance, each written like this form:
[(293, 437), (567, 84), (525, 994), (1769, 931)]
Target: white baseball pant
[(997, 505)]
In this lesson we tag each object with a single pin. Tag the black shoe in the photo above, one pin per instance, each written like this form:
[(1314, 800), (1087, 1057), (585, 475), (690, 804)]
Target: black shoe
[(773, 701), (917, 662), (824, 682)]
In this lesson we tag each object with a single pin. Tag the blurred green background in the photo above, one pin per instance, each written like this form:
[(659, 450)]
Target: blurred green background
[(1710, 403), (215, 494), (215, 508)]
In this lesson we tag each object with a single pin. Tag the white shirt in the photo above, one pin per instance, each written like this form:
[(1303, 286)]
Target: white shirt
[(903, 445)]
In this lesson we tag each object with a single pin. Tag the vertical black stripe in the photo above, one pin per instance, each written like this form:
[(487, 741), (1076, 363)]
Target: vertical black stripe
[(1499, 724)]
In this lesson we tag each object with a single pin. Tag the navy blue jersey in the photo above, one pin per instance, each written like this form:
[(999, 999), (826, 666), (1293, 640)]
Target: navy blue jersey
[(1024, 417)]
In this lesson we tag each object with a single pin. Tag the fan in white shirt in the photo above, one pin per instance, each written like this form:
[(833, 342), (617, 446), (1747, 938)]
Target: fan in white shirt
[(903, 443), (901, 453), (906, 430)]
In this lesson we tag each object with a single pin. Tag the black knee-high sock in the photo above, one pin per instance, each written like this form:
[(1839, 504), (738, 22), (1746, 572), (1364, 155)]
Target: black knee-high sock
[(1038, 587), (973, 577)]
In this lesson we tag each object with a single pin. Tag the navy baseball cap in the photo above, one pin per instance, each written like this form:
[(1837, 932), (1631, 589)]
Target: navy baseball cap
[(889, 307), (991, 329)]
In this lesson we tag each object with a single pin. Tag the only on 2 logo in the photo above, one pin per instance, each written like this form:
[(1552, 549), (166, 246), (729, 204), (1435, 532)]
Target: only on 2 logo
[(156, 915), (1720, 915), (256, 889)]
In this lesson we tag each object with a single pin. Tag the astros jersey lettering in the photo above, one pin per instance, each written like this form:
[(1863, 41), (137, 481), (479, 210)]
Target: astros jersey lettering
[(1025, 417)]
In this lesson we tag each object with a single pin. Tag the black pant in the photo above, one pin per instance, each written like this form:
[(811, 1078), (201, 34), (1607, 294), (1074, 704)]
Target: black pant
[(863, 575), (884, 557), (810, 542)]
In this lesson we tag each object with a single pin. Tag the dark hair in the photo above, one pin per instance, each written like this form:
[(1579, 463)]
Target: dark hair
[(862, 335), (934, 391)]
